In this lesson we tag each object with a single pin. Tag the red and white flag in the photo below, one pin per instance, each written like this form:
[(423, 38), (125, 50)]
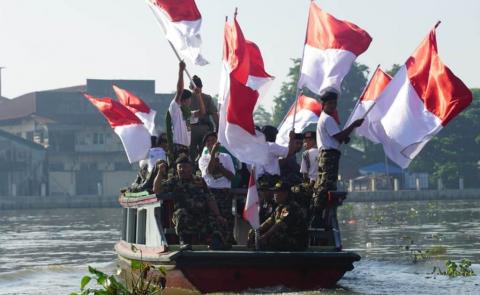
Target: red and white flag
[(181, 22), (372, 91), (133, 134), (420, 100), (251, 211), (242, 79), (137, 106), (308, 112), (331, 46)]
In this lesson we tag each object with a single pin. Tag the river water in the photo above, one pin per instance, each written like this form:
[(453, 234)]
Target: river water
[(48, 251)]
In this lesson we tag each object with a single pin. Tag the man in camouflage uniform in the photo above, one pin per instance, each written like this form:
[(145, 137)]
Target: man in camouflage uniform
[(196, 215), (329, 138), (286, 228)]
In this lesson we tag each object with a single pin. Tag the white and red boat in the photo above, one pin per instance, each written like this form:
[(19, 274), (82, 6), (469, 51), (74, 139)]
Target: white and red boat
[(147, 227)]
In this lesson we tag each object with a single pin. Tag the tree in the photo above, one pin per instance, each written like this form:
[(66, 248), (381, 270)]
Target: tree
[(453, 153), (262, 117), (351, 87)]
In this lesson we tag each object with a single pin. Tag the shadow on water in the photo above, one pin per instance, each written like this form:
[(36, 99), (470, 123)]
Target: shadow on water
[(47, 251)]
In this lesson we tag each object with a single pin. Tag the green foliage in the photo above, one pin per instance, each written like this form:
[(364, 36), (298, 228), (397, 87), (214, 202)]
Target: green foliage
[(285, 99), (455, 270), (352, 87), (417, 254), (147, 283), (262, 117), (453, 153)]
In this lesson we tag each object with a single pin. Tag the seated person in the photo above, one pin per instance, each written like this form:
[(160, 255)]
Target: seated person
[(196, 215), (218, 172), (286, 228)]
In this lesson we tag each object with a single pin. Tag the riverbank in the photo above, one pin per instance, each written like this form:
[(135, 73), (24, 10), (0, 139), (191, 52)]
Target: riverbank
[(94, 201), (414, 195)]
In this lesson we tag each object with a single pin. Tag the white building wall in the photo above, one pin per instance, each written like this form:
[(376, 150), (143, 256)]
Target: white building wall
[(62, 183), (113, 181)]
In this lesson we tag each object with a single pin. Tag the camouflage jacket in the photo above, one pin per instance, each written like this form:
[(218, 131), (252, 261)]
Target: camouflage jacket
[(192, 195), (292, 218)]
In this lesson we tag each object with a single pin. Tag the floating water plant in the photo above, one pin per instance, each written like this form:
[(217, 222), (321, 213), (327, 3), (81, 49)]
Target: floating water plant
[(145, 284), (463, 269)]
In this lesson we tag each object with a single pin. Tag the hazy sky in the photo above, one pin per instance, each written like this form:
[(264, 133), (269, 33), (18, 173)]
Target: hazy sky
[(49, 44)]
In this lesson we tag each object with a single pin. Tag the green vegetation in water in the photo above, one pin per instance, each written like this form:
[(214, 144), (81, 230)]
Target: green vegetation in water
[(463, 269), (418, 254), (147, 283)]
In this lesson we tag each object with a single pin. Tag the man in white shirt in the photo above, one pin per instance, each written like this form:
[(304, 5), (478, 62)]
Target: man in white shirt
[(180, 114), (218, 171), (309, 165), (329, 138)]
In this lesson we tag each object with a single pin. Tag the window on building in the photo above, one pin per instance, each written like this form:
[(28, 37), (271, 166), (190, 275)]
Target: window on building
[(98, 138)]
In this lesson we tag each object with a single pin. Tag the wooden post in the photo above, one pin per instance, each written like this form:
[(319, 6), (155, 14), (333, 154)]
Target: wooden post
[(395, 184), (417, 183), (460, 184)]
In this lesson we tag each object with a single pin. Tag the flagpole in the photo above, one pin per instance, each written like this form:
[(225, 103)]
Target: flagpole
[(299, 74), (159, 21), (363, 93)]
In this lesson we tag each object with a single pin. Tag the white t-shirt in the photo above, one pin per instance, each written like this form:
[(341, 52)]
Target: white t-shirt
[(309, 163), (275, 151), (181, 128), (327, 127), (216, 181)]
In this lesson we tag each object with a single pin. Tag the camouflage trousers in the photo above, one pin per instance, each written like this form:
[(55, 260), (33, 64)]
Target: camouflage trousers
[(279, 241), (199, 227), (224, 199), (328, 161)]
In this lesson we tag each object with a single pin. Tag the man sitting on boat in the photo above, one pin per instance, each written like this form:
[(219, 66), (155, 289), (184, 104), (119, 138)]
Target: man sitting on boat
[(286, 228), (218, 172), (196, 216)]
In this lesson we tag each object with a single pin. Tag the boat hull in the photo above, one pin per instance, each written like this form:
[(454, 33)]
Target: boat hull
[(235, 271)]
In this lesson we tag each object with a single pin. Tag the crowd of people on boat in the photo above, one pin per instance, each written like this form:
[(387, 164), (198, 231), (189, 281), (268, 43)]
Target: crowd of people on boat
[(189, 162)]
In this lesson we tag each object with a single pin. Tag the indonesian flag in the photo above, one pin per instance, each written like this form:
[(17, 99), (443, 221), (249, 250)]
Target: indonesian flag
[(422, 97), (331, 46), (372, 91), (137, 106), (242, 78), (133, 134), (251, 211), (308, 112), (181, 22)]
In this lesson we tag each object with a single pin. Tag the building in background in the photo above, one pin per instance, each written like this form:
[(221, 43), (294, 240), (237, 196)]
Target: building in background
[(22, 166), (83, 154)]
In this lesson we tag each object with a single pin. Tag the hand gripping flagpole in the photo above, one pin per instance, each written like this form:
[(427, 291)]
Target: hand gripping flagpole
[(160, 23)]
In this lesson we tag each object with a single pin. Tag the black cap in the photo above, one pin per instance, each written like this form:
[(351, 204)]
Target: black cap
[(182, 159), (329, 95), (186, 94), (281, 186), (270, 133)]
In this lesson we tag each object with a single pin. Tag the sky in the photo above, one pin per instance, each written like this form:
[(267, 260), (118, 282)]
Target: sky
[(47, 44)]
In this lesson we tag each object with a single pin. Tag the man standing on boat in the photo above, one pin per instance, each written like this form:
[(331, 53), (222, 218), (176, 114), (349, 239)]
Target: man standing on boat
[(218, 172), (179, 117), (286, 228), (202, 125), (329, 138), (196, 215)]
